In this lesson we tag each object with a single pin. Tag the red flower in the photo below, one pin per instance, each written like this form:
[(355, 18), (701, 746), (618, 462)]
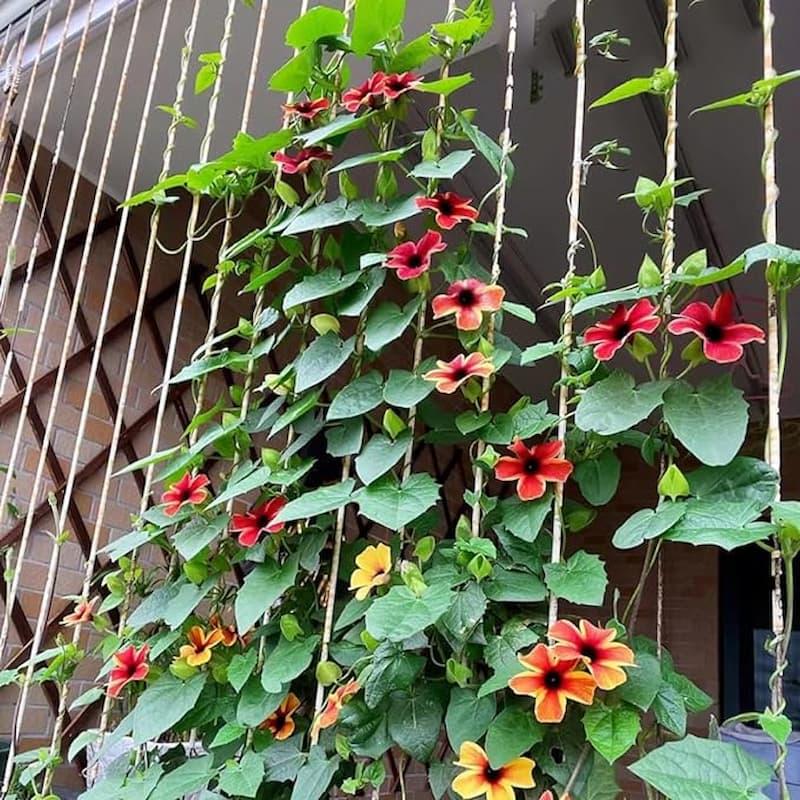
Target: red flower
[(411, 259), (552, 681), (399, 83), (612, 334), (306, 109), (334, 704), (450, 375), (368, 94), (131, 665), (532, 467), (302, 161), (281, 723), (450, 209), (189, 489), (722, 337), (258, 520), (468, 299), (596, 647), (83, 612)]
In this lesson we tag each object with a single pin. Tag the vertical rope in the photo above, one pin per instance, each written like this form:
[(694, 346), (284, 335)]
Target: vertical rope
[(499, 223), (40, 338), (54, 162), (121, 233), (12, 80), (573, 203), (12, 245)]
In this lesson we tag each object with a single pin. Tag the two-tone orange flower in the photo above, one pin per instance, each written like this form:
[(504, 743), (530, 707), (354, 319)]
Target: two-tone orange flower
[(131, 665), (190, 489), (228, 632), (333, 705), (449, 376), (534, 467), (480, 778), (83, 612), (198, 651), (596, 647), (281, 723), (552, 681), (468, 300), (374, 569)]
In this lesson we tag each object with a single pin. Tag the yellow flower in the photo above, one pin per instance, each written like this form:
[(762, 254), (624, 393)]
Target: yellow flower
[(479, 778), (374, 568), (198, 652)]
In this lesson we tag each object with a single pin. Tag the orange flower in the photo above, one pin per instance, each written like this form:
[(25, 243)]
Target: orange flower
[(280, 722), (374, 568), (552, 682), (189, 489), (532, 467), (450, 375), (548, 795), (468, 299), (198, 651), (229, 635), (479, 778), (131, 665), (84, 612), (334, 704), (596, 647)]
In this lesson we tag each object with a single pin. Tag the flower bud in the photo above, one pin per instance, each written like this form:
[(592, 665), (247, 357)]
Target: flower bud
[(673, 484), (328, 673)]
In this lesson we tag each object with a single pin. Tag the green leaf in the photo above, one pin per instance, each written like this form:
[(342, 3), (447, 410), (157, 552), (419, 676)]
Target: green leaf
[(413, 55), (318, 23), (380, 455), (647, 524), (321, 359), (704, 769), (486, 146), (446, 86), (613, 298), (743, 479), (643, 682), (721, 523), (241, 668), (520, 312), (631, 88), (460, 31), (670, 710), (315, 776), (381, 157), (375, 214), (598, 478), (283, 761), (328, 282), (533, 420), (513, 732), (255, 705), (189, 777), (358, 397), (286, 661), (318, 501), (710, 421), (611, 730), (512, 586), (580, 579), (163, 704), (404, 389), (394, 505), (468, 716), (469, 606), (400, 614), (198, 533), (415, 720), (539, 351), (387, 323), (242, 778), (261, 588), (295, 74), (335, 129), (524, 519), (374, 21), (320, 217), (776, 726), (345, 440), (392, 669), (444, 169), (615, 404), (296, 411)]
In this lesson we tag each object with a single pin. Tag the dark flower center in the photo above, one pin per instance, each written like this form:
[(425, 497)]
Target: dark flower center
[(185, 494), (532, 466), (263, 521), (622, 331), (446, 207), (466, 298), (493, 775), (588, 651), (460, 373), (552, 679), (415, 260), (714, 333)]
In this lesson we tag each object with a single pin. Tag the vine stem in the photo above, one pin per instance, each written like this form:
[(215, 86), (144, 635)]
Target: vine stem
[(499, 223), (781, 620), (573, 204)]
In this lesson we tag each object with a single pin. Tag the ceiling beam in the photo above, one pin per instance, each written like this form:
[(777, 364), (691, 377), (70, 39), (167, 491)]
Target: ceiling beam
[(752, 8)]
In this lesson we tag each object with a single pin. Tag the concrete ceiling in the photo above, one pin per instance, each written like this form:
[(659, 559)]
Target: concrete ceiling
[(720, 55)]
